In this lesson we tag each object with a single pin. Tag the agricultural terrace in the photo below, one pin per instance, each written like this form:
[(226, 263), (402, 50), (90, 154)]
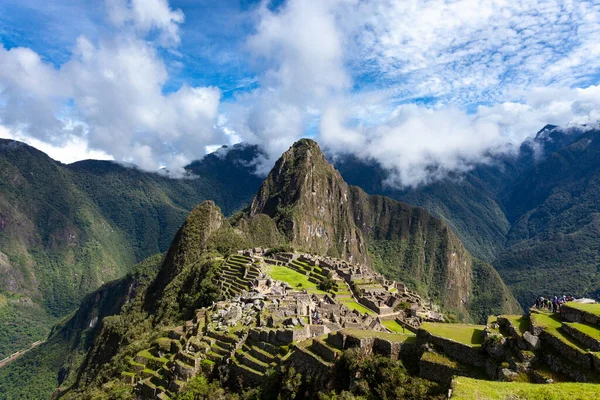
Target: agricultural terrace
[(471, 335), (468, 389)]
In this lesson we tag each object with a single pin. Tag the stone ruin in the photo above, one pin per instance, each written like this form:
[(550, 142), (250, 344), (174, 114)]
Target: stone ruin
[(263, 322)]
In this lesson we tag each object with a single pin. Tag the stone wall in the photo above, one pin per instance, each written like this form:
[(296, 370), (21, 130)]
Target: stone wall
[(561, 366), (324, 351), (588, 341), (572, 314), (573, 354), (437, 372), (309, 365), (458, 351), (387, 348)]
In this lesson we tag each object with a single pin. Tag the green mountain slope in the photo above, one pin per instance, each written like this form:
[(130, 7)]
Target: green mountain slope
[(303, 203), (65, 230), (318, 212), (552, 247)]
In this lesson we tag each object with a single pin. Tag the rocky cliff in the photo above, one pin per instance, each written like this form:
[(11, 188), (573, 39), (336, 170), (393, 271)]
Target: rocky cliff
[(317, 211)]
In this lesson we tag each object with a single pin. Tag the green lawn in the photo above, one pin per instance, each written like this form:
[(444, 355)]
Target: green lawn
[(293, 278), (474, 389), (393, 326), (590, 330), (591, 308), (552, 323), (520, 322), (353, 305), (471, 335), (439, 359), (393, 337)]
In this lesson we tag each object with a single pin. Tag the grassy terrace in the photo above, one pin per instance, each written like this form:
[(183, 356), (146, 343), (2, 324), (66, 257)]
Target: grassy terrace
[(471, 335), (393, 337), (293, 278), (520, 322), (393, 326), (589, 330), (591, 308), (473, 389), (353, 305), (552, 324), (439, 359)]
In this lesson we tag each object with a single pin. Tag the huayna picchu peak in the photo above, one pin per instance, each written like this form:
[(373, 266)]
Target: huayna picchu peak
[(312, 268)]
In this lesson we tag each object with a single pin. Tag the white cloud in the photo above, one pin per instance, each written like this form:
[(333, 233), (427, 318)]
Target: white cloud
[(72, 149), (353, 68), (424, 86), (298, 52), (420, 145), (144, 16), (114, 88)]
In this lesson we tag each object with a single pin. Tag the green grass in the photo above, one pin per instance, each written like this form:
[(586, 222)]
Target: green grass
[(293, 278), (471, 335), (520, 322), (353, 305), (591, 308), (439, 359), (393, 326), (474, 389), (551, 324), (393, 337), (491, 320), (589, 330)]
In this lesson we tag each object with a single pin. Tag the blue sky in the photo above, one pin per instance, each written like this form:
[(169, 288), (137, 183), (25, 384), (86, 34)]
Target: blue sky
[(411, 84)]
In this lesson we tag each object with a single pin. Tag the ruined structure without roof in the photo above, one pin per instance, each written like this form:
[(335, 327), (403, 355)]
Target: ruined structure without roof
[(262, 321)]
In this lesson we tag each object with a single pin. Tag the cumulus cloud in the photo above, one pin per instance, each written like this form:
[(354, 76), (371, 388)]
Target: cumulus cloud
[(298, 52), (424, 86), (144, 16), (115, 89)]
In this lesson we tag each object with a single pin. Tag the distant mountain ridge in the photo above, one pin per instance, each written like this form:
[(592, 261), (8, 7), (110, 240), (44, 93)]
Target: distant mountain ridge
[(305, 204), (66, 229), (53, 254)]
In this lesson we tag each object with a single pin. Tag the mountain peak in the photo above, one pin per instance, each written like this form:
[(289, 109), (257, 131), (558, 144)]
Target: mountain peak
[(309, 201)]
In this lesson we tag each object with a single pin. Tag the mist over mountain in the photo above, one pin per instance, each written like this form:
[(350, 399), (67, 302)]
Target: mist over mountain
[(303, 204)]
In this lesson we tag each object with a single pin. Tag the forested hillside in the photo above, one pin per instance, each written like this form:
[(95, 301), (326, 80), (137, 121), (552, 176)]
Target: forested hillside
[(66, 229), (303, 204)]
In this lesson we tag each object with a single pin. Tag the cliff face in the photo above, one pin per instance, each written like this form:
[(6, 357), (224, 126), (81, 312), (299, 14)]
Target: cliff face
[(409, 244), (311, 204), (318, 212)]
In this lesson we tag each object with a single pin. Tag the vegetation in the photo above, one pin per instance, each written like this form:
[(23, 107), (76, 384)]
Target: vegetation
[(376, 377), (471, 335), (520, 322), (591, 308), (353, 305), (551, 324), (293, 278), (393, 326), (66, 230), (327, 284), (468, 389)]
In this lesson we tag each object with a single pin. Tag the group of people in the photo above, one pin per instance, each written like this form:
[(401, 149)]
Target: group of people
[(552, 304)]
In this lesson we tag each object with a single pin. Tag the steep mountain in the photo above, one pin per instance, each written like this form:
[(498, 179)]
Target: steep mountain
[(305, 204), (472, 204), (531, 214), (552, 247), (66, 229), (318, 212)]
